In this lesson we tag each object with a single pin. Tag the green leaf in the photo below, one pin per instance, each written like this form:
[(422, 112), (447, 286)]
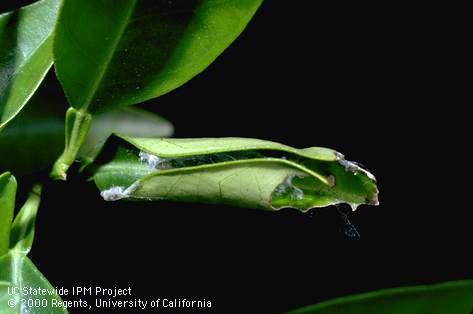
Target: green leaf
[(22, 229), (446, 298), (18, 272), (42, 122), (130, 51), (8, 187), (25, 54), (128, 121), (236, 171)]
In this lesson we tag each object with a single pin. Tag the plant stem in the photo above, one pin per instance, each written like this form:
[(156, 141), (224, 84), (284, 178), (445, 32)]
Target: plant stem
[(77, 127), (23, 226), (7, 206)]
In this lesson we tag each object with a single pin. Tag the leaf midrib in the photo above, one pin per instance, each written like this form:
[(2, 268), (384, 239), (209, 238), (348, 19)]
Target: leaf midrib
[(229, 163), (108, 58), (26, 61)]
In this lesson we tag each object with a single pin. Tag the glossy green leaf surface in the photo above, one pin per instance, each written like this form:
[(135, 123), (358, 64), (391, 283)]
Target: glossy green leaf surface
[(18, 272), (129, 51), (25, 54), (237, 171), (39, 128), (446, 298)]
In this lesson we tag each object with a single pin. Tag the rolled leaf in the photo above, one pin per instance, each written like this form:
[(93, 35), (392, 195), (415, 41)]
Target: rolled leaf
[(236, 171), (130, 51), (446, 298), (25, 54)]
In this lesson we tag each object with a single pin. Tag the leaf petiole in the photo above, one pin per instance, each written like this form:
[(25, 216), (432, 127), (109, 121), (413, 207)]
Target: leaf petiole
[(77, 126)]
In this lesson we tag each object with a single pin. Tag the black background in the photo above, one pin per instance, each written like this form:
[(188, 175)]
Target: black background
[(359, 79)]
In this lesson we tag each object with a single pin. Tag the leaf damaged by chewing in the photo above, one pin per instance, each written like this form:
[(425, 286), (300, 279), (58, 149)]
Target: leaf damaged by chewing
[(234, 171)]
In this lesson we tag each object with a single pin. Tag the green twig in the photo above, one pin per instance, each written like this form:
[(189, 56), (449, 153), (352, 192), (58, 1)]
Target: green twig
[(7, 206)]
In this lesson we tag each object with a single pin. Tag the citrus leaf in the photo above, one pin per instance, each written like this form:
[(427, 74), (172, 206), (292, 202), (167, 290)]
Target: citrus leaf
[(25, 54), (130, 51), (446, 298), (236, 171), (18, 272)]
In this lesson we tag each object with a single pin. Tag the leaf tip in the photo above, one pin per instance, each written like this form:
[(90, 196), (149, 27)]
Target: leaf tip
[(353, 166)]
